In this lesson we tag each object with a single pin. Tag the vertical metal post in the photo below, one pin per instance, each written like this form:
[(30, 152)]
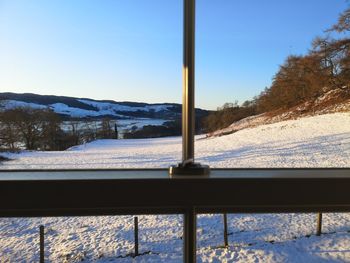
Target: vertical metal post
[(188, 166), (42, 254), (190, 232), (188, 111), (225, 231), (136, 235), (319, 224)]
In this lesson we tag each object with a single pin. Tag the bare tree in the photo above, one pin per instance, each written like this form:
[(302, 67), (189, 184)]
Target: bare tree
[(51, 136), (106, 131), (343, 24), (8, 131)]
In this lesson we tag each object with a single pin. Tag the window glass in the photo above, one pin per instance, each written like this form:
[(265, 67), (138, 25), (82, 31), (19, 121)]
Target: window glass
[(92, 239), (276, 76), (83, 84), (250, 237)]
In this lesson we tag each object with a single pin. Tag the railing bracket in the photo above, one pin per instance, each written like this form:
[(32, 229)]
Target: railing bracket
[(189, 169)]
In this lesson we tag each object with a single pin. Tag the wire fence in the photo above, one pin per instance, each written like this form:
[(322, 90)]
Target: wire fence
[(136, 242)]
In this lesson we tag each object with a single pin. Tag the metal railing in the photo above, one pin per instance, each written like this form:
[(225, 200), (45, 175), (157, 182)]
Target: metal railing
[(188, 166), (153, 191)]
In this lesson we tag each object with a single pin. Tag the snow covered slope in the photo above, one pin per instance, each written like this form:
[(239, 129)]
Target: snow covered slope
[(319, 141), (89, 108), (101, 108), (335, 100)]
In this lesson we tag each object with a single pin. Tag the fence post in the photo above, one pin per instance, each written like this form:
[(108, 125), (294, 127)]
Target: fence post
[(225, 230), (42, 255), (319, 224), (136, 235), (190, 235)]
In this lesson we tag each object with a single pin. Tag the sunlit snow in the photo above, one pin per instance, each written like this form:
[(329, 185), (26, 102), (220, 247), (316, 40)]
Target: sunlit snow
[(319, 141)]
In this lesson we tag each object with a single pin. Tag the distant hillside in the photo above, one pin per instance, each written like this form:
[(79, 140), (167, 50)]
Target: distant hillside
[(335, 100), (313, 83), (70, 107)]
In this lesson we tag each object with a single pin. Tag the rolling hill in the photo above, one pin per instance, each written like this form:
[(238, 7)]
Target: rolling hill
[(70, 107)]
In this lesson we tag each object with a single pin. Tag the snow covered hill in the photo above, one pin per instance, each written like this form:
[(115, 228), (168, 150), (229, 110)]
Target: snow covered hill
[(331, 101), (318, 141), (89, 108)]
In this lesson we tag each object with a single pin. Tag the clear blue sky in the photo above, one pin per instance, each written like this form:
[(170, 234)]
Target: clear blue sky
[(131, 50)]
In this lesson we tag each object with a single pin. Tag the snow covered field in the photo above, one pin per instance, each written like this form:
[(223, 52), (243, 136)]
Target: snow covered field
[(320, 141)]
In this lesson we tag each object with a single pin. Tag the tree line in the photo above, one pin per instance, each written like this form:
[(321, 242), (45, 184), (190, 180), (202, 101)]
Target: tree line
[(326, 66), (42, 129), (168, 128)]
